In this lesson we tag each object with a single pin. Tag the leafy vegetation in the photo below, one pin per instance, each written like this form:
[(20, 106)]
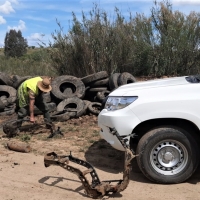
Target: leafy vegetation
[(35, 62), (15, 44), (164, 43)]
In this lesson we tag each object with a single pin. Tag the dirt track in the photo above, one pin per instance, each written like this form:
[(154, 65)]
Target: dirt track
[(23, 175)]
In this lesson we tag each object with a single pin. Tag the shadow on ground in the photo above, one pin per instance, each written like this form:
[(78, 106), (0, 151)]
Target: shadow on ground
[(104, 157)]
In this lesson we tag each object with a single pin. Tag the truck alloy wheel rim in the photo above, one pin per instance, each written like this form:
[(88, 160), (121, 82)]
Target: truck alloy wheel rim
[(169, 157)]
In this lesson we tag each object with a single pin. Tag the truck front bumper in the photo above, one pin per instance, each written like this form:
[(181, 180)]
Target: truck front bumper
[(123, 121)]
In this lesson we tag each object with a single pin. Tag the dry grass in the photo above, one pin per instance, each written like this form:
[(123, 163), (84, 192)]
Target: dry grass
[(81, 138)]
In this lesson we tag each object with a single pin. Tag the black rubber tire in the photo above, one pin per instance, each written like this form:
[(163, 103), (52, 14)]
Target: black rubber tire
[(68, 91), (177, 144), (5, 79), (72, 106), (9, 107), (59, 116), (100, 83), (2, 105), (17, 80), (97, 89), (4, 100), (8, 112), (94, 77), (102, 95), (51, 105), (9, 92), (125, 78), (60, 83), (95, 107), (47, 97), (113, 81), (84, 111)]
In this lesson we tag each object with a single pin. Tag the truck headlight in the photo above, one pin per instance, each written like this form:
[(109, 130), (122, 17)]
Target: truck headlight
[(116, 103)]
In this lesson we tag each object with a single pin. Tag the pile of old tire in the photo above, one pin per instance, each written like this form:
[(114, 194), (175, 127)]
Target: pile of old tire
[(70, 97), (79, 96), (7, 95)]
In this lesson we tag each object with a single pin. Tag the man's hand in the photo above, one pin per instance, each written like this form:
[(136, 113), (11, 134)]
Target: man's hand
[(32, 119), (31, 106)]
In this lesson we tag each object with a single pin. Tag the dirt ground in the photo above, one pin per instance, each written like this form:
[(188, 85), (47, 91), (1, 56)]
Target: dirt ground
[(24, 176)]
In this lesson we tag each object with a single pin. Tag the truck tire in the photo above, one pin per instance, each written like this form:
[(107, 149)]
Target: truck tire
[(95, 107), (72, 106), (125, 78), (94, 77), (97, 89), (85, 108), (8, 112), (60, 116), (113, 84), (9, 92), (102, 95), (2, 105), (51, 106), (167, 155), (100, 83), (61, 83), (47, 97), (17, 80), (5, 79)]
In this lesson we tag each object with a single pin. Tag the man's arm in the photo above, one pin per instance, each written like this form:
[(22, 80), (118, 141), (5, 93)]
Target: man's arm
[(31, 105)]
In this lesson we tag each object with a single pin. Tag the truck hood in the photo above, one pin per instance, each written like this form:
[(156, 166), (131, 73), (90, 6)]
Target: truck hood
[(143, 85)]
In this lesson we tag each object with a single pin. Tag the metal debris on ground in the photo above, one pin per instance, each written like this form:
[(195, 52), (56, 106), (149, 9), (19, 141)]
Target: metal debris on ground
[(97, 188), (55, 132)]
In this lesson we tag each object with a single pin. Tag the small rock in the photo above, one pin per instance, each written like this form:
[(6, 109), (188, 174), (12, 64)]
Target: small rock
[(16, 163)]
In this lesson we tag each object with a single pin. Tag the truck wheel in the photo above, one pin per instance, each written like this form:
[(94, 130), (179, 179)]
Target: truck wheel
[(167, 155)]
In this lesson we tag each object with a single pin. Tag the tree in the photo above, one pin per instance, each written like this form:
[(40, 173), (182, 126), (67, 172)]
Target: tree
[(15, 44)]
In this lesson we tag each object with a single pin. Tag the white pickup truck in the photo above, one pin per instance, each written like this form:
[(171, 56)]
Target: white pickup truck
[(161, 121)]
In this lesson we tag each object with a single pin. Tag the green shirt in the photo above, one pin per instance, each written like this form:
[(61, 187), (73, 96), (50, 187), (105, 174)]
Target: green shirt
[(23, 95)]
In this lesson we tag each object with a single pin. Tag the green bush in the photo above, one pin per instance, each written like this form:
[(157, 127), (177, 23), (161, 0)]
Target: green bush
[(36, 63), (164, 43)]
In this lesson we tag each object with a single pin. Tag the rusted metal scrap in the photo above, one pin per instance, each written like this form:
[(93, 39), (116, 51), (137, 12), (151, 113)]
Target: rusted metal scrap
[(95, 189), (19, 146)]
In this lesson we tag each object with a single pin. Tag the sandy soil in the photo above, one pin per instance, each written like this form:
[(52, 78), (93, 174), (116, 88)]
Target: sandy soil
[(24, 176)]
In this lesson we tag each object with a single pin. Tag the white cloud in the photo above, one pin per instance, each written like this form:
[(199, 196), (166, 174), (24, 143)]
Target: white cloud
[(6, 8), (125, 1), (21, 26), (37, 18), (14, 1), (185, 1), (2, 20), (38, 38), (35, 36)]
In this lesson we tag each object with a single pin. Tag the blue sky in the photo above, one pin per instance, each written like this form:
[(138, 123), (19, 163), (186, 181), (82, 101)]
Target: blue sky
[(37, 18)]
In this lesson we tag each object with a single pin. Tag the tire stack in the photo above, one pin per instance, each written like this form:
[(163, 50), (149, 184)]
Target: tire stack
[(70, 97), (7, 95)]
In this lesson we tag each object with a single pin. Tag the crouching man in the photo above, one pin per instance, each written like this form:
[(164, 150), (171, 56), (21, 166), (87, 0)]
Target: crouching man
[(30, 93)]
